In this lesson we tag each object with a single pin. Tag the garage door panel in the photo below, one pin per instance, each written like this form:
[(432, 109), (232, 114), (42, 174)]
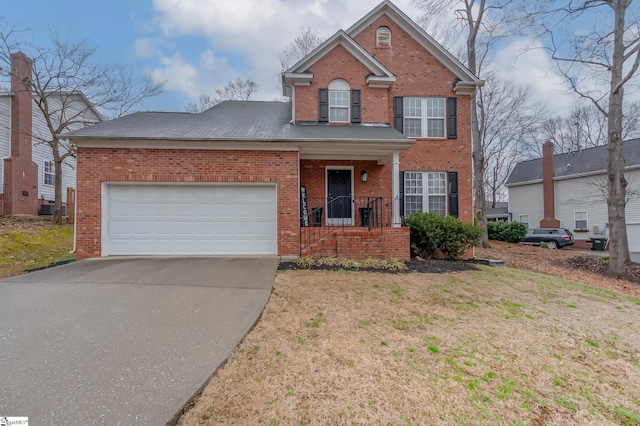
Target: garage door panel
[(184, 219)]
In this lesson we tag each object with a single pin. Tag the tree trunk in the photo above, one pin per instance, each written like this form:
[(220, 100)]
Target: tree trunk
[(57, 207), (617, 183)]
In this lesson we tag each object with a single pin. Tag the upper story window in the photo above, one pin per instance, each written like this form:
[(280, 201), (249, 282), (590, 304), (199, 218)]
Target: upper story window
[(383, 37), (424, 117), (49, 175), (339, 102)]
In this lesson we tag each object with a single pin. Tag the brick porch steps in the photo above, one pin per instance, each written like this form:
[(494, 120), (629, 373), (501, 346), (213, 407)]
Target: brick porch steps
[(360, 243)]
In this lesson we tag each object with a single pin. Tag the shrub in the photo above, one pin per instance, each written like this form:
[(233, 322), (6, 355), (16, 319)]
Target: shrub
[(431, 232), (511, 232), (305, 262)]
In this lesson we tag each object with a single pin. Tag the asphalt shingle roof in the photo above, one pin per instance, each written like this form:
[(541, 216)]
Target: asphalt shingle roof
[(231, 120), (590, 160)]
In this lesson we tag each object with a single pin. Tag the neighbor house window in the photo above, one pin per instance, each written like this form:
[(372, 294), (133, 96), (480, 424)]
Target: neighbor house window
[(524, 218), (425, 192), (424, 117), (49, 175), (339, 103), (580, 219), (383, 37)]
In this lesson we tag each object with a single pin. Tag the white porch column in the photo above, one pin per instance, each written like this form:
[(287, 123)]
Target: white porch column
[(395, 176)]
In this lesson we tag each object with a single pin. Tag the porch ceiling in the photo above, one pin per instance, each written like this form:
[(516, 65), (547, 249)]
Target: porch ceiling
[(382, 152)]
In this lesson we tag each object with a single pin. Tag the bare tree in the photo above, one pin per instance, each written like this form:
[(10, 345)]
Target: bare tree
[(482, 24), (506, 116), (307, 39), (69, 87), (598, 64), (585, 127), (235, 90)]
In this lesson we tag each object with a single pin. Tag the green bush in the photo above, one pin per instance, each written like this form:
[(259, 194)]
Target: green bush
[(511, 232), (431, 232)]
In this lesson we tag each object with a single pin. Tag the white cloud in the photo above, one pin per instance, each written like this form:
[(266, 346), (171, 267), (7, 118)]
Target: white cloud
[(525, 61), (252, 30)]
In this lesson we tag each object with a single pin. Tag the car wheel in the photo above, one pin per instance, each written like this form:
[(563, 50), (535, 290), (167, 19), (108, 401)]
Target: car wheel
[(552, 244)]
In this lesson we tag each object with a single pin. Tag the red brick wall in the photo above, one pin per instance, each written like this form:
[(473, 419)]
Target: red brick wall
[(341, 64), (313, 176), (386, 244), (418, 73), (98, 165)]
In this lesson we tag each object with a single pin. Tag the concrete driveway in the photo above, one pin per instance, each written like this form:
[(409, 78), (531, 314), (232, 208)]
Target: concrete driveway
[(123, 341)]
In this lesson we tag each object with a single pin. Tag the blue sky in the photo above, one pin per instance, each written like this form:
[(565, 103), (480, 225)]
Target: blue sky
[(197, 46)]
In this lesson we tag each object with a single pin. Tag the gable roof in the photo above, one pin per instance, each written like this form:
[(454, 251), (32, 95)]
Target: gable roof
[(233, 121), (299, 74), (468, 80), (573, 164)]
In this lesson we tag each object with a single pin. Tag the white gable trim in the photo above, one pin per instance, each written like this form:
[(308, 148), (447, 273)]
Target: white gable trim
[(432, 46), (298, 74)]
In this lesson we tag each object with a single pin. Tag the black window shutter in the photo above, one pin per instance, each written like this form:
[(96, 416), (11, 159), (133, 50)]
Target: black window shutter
[(398, 113), (323, 105), (355, 106), (401, 183), (453, 194), (452, 118)]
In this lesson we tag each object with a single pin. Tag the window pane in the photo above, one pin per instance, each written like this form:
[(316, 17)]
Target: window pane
[(435, 128), (435, 107), (413, 192), (437, 204), (413, 204), (338, 114), (412, 107), (581, 220), (437, 184), (413, 127), (339, 98)]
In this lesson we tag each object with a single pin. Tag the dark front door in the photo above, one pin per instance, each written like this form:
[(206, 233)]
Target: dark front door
[(339, 203)]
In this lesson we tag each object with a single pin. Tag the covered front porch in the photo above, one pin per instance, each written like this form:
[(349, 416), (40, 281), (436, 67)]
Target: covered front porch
[(350, 201)]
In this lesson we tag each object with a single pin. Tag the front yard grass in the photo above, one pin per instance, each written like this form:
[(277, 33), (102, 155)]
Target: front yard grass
[(492, 346), (30, 242)]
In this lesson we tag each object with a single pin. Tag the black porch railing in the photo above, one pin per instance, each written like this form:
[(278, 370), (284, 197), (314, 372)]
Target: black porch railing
[(324, 215)]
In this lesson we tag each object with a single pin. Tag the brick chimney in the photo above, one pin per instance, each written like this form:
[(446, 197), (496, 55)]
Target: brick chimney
[(548, 188), (20, 195)]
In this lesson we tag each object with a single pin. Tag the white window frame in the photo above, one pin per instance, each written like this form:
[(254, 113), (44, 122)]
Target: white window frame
[(586, 219), (383, 37), (426, 193), (48, 173), (338, 91), (425, 113), (527, 222)]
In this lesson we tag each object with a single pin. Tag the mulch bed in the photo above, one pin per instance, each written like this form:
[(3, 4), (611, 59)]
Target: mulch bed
[(424, 266)]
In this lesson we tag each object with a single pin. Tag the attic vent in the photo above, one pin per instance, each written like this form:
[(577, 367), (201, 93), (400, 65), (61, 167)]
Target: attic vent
[(383, 37)]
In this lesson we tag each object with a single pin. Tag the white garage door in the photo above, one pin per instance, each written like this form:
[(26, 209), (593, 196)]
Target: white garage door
[(189, 220), (633, 236)]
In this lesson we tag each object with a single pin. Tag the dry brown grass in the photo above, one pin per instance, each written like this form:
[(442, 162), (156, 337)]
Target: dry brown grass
[(494, 346), (29, 242)]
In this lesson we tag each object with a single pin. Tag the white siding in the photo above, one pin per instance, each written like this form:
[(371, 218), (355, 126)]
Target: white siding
[(42, 151), (5, 134), (582, 194), (527, 199), (633, 197)]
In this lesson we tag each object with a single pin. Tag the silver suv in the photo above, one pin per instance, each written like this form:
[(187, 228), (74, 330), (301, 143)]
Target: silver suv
[(554, 237)]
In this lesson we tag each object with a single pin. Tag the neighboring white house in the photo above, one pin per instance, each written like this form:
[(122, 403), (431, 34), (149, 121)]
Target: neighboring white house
[(29, 178), (578, 195)]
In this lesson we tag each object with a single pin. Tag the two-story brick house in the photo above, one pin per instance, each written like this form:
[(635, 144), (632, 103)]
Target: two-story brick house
[(378, 126)]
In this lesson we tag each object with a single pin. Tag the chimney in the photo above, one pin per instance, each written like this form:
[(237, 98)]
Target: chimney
[(20, 192), (548, 188), (21, 104)]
